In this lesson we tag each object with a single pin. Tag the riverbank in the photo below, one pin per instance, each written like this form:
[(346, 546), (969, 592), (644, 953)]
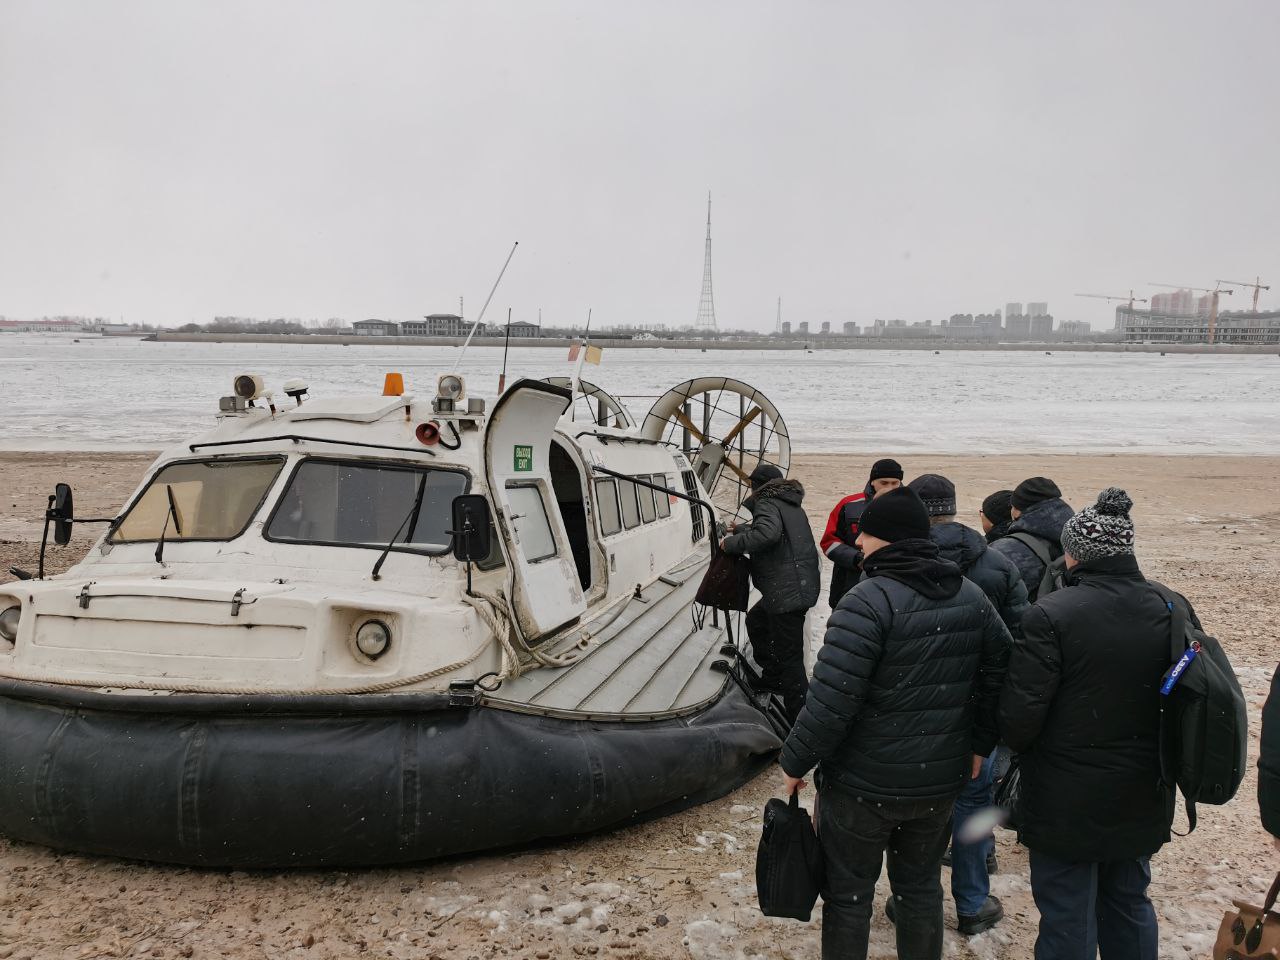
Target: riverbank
[(681, 886), (809, 343)]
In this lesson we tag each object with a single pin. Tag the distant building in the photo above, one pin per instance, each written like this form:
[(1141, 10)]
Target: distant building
[(1075, 328), (523, 328), (1016, 325), (803, 328), (1037, 309), (1148, 326), (376, 328), (1180, 303), (42, 326), (1041, 326), (786, 328), (1012, 310), (989, 322), (826, 327), (445, 325), (850, 328)]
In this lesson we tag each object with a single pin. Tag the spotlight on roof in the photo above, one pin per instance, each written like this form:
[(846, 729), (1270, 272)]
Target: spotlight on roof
[(248, 386)]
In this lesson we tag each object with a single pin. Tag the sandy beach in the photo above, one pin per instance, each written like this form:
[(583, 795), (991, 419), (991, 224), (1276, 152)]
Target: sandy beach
[(682, 886)]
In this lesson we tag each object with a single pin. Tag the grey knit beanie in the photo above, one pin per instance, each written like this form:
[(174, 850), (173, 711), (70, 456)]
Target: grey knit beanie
[(1103, 530)]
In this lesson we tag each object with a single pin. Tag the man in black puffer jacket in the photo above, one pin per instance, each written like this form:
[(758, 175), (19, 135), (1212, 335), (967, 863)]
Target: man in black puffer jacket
[(1269, 762), (1081, 705), (784, 568), (976, 909), (900, 713), (1038, 512)]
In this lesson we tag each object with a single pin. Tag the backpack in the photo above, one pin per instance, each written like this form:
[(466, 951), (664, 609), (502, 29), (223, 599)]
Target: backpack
[(1204, 724), (1055, 568)]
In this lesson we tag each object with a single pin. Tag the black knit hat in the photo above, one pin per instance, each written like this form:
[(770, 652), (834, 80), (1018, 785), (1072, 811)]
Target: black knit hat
[(896, 515), (762, 474), (996, 507), (1032, 491), (937, 492), (886, 468)]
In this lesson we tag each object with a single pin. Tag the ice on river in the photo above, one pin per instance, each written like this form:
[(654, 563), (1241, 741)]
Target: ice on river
[(114, 393)]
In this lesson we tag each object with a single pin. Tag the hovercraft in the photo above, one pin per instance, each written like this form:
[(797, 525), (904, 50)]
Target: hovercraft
[(381, 629)]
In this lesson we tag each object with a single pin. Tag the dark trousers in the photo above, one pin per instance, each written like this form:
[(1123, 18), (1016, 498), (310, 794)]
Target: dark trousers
[(1090, 907), (778, 642), (855, 835)]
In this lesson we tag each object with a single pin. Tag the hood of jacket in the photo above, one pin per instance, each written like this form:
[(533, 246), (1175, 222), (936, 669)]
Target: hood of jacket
[(1044, 519), (918, 565), (960, 544), (787, 490), (998, 531)]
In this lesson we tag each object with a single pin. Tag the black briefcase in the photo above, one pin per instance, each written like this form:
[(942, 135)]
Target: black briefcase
[(789, 868)]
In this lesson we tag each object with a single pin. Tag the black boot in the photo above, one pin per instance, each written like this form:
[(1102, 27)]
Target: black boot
[(987, 917)]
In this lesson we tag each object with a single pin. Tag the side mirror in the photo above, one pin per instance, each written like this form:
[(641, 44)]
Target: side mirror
[(471, 531), (62, 513)]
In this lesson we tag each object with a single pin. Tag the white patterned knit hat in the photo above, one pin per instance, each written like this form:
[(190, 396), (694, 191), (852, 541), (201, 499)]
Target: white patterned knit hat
[(1103, 530)]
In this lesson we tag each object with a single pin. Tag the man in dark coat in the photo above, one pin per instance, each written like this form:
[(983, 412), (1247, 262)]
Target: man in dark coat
[(1269, 763), (996, 515), (900, 713), (1081, 704), (976, 909), (784, 568), (839, 540), (1038, 512)]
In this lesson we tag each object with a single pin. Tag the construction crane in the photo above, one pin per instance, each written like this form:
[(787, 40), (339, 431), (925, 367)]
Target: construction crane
[(1257, 285), (1213, 304), (1102, 296)]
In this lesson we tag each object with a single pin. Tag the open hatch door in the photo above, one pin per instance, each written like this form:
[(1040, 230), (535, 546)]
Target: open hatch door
[(545, 591)]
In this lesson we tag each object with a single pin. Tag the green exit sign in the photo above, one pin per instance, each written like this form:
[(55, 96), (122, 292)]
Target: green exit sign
[(524, 458)]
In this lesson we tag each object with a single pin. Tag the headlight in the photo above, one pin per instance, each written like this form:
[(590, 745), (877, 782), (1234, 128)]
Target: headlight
[(9, 624), (373, 639)]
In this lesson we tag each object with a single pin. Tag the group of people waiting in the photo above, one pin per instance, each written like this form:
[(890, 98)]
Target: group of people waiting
[(946, 649)]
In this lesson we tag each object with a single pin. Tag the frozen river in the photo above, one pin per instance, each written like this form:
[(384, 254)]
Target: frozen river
[(111, 394)]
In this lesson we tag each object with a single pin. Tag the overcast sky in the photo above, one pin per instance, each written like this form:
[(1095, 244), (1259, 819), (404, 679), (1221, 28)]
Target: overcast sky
[(171, 161)]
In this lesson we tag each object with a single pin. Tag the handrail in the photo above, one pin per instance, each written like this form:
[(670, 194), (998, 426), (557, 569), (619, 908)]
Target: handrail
[(299, 438)]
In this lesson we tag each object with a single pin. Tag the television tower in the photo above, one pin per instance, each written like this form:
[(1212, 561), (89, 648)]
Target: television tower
[(777, 325), (707, 305)]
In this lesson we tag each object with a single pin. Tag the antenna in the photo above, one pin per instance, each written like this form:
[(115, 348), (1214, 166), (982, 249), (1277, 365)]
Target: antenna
[(707, 306), (458, 360), (502, 378)]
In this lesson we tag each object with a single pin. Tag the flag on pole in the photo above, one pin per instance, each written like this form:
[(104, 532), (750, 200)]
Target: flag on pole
[(593, 354), (573, 352)]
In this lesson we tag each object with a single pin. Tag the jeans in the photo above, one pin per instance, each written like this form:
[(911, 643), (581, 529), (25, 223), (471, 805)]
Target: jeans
[(1090, 907), (855, 834), (970, 885), (777, 640)]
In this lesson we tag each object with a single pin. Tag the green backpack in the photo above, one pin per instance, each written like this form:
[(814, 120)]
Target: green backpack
[(1055, 568)]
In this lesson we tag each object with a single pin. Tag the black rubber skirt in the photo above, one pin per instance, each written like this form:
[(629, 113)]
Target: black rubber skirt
[(346, 781)]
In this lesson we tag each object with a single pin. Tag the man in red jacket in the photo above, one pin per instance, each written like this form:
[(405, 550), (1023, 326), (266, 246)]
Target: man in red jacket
[(839, 539)]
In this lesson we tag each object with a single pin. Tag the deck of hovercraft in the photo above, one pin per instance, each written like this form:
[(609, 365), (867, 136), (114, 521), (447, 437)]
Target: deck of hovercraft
[(648, 659)]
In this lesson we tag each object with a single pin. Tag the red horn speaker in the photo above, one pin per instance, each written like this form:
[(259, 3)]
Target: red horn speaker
[(428, 433)]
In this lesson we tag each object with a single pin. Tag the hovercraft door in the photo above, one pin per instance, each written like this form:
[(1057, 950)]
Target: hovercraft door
[(545, 590)]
